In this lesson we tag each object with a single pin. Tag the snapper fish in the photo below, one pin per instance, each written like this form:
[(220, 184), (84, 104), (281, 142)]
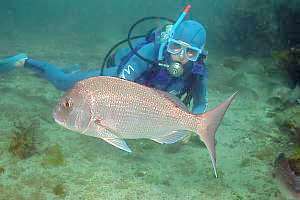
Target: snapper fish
[(115, 109)]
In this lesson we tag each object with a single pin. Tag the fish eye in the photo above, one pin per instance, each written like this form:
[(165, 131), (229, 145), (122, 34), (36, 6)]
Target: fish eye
[(68, 103)]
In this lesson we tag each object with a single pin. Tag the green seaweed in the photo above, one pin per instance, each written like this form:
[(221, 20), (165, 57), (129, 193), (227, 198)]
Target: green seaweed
[(173, 148), (246, 162), (266, 153), (23, 141), (232, 62), (296, 154), (2, 170), (140, 173), (122, 184), (281, 56), (143, 145), (53, 156), (289, 121), (59, 190), (195, 140), (152, 179)]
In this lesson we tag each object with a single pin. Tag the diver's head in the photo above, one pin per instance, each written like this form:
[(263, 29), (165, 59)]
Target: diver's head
[(187, 42)]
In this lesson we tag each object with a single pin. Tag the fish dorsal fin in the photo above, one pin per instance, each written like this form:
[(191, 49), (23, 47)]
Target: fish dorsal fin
[(171, 138), (174, 99)]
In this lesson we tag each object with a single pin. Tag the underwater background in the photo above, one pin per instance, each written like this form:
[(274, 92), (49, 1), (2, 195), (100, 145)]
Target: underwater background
[(249, 45)]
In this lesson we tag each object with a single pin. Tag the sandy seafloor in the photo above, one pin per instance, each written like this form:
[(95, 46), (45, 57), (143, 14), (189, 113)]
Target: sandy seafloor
[(247, 140)]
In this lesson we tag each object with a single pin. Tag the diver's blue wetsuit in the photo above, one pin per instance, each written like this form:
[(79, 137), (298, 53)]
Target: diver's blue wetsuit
[(194, 78), (130, 67), (61, 79)]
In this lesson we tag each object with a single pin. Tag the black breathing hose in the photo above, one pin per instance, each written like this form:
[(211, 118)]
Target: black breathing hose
[(128, 39), (133, 26)]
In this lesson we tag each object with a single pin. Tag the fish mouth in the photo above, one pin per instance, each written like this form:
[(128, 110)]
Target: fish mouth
[(58, 119), (72, 121)]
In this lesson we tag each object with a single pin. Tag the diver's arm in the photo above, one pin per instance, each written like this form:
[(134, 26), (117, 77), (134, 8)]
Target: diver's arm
[(135, 66), (199, 93)]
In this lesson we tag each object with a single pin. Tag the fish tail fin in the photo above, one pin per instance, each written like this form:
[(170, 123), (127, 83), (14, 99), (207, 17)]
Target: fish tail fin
[(207, 125)]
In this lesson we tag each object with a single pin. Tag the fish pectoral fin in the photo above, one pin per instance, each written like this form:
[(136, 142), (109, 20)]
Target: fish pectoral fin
[(108, 136), (114, 140), (171, 138), (117, 142)]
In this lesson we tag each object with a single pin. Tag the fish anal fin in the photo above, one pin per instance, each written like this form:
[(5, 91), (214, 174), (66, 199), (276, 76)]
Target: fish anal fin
[(171, 138)]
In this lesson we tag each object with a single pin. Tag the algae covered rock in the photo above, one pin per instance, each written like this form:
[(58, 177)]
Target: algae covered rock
[(282, 98), (287, 170), (23, 141), (253, 25), (59, 190), (289, 120), (294, 160)]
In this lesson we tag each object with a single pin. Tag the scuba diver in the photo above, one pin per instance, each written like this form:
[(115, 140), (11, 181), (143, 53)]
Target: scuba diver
[(169, 58)]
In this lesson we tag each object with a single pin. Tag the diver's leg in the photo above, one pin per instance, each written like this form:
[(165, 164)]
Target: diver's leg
[(48, 71), (43, 68), (51, 72), (57, 76), (62, 80)]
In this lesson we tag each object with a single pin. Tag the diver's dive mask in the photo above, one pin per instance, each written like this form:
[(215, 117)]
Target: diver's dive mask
[(177, 47)]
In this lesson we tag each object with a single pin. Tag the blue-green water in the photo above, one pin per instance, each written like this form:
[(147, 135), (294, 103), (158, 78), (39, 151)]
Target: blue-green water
[(61, 164)]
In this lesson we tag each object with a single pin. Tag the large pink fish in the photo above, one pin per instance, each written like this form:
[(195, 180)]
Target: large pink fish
[(114, 109)]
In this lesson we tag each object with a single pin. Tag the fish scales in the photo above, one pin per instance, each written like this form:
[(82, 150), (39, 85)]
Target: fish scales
[(137, 112)]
